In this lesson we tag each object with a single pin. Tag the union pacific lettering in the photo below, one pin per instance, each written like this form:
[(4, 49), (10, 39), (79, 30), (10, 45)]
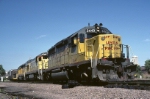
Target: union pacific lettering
[(111, 42)]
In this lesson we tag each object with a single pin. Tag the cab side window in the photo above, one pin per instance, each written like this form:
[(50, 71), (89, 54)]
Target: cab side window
[(39, 58), (73, 46), (82, 37)]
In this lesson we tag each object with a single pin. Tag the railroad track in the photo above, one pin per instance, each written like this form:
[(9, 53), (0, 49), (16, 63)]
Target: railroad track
[(135, 84)]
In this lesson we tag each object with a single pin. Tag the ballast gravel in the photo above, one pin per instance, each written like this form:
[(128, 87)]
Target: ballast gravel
[(55, 91)]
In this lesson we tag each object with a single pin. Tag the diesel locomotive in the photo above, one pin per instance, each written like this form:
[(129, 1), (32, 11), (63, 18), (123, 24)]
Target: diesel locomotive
[(93, 53), (12, 75), (33, 68)]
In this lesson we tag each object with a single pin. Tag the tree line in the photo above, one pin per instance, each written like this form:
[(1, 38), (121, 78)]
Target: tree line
[(2, 70), (147, 66)]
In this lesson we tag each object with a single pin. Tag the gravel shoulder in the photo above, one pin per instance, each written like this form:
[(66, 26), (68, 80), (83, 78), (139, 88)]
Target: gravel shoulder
[(54, 91)]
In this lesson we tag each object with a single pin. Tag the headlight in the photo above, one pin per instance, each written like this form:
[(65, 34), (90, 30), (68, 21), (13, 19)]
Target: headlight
[(102, 38)]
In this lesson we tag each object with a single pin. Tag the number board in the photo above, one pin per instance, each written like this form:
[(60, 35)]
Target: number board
[(90, 30)]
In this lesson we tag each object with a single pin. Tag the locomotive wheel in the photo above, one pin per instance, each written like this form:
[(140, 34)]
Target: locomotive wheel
[(44, 76), (35, 77), (47, 77), (120, 69), (27, 78), (120, 72)]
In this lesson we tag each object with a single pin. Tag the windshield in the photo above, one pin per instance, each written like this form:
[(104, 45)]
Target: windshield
[(105, 30), (44, 57), (90, 35)]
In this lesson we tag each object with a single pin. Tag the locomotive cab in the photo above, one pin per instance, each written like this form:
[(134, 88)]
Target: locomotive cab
[(42, 63), (21, 72), (12, 75), (106, 52)]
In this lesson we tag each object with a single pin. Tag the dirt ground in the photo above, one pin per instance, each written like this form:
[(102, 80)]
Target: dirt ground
[(54, 91)]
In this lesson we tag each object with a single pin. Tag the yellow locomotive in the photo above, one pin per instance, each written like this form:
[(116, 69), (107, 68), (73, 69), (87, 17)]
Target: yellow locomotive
[(12, 75), (33, 68), (92, 53)]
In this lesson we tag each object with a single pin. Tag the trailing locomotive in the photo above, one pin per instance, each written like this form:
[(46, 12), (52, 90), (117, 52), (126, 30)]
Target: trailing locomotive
[(33, 68), (91, 54), (12, 75)]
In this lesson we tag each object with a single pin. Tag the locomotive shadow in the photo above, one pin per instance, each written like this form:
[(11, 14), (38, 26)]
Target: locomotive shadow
[(72, 84)]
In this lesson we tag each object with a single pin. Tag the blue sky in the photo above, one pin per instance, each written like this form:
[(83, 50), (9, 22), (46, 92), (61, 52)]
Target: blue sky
[(29, 27)]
